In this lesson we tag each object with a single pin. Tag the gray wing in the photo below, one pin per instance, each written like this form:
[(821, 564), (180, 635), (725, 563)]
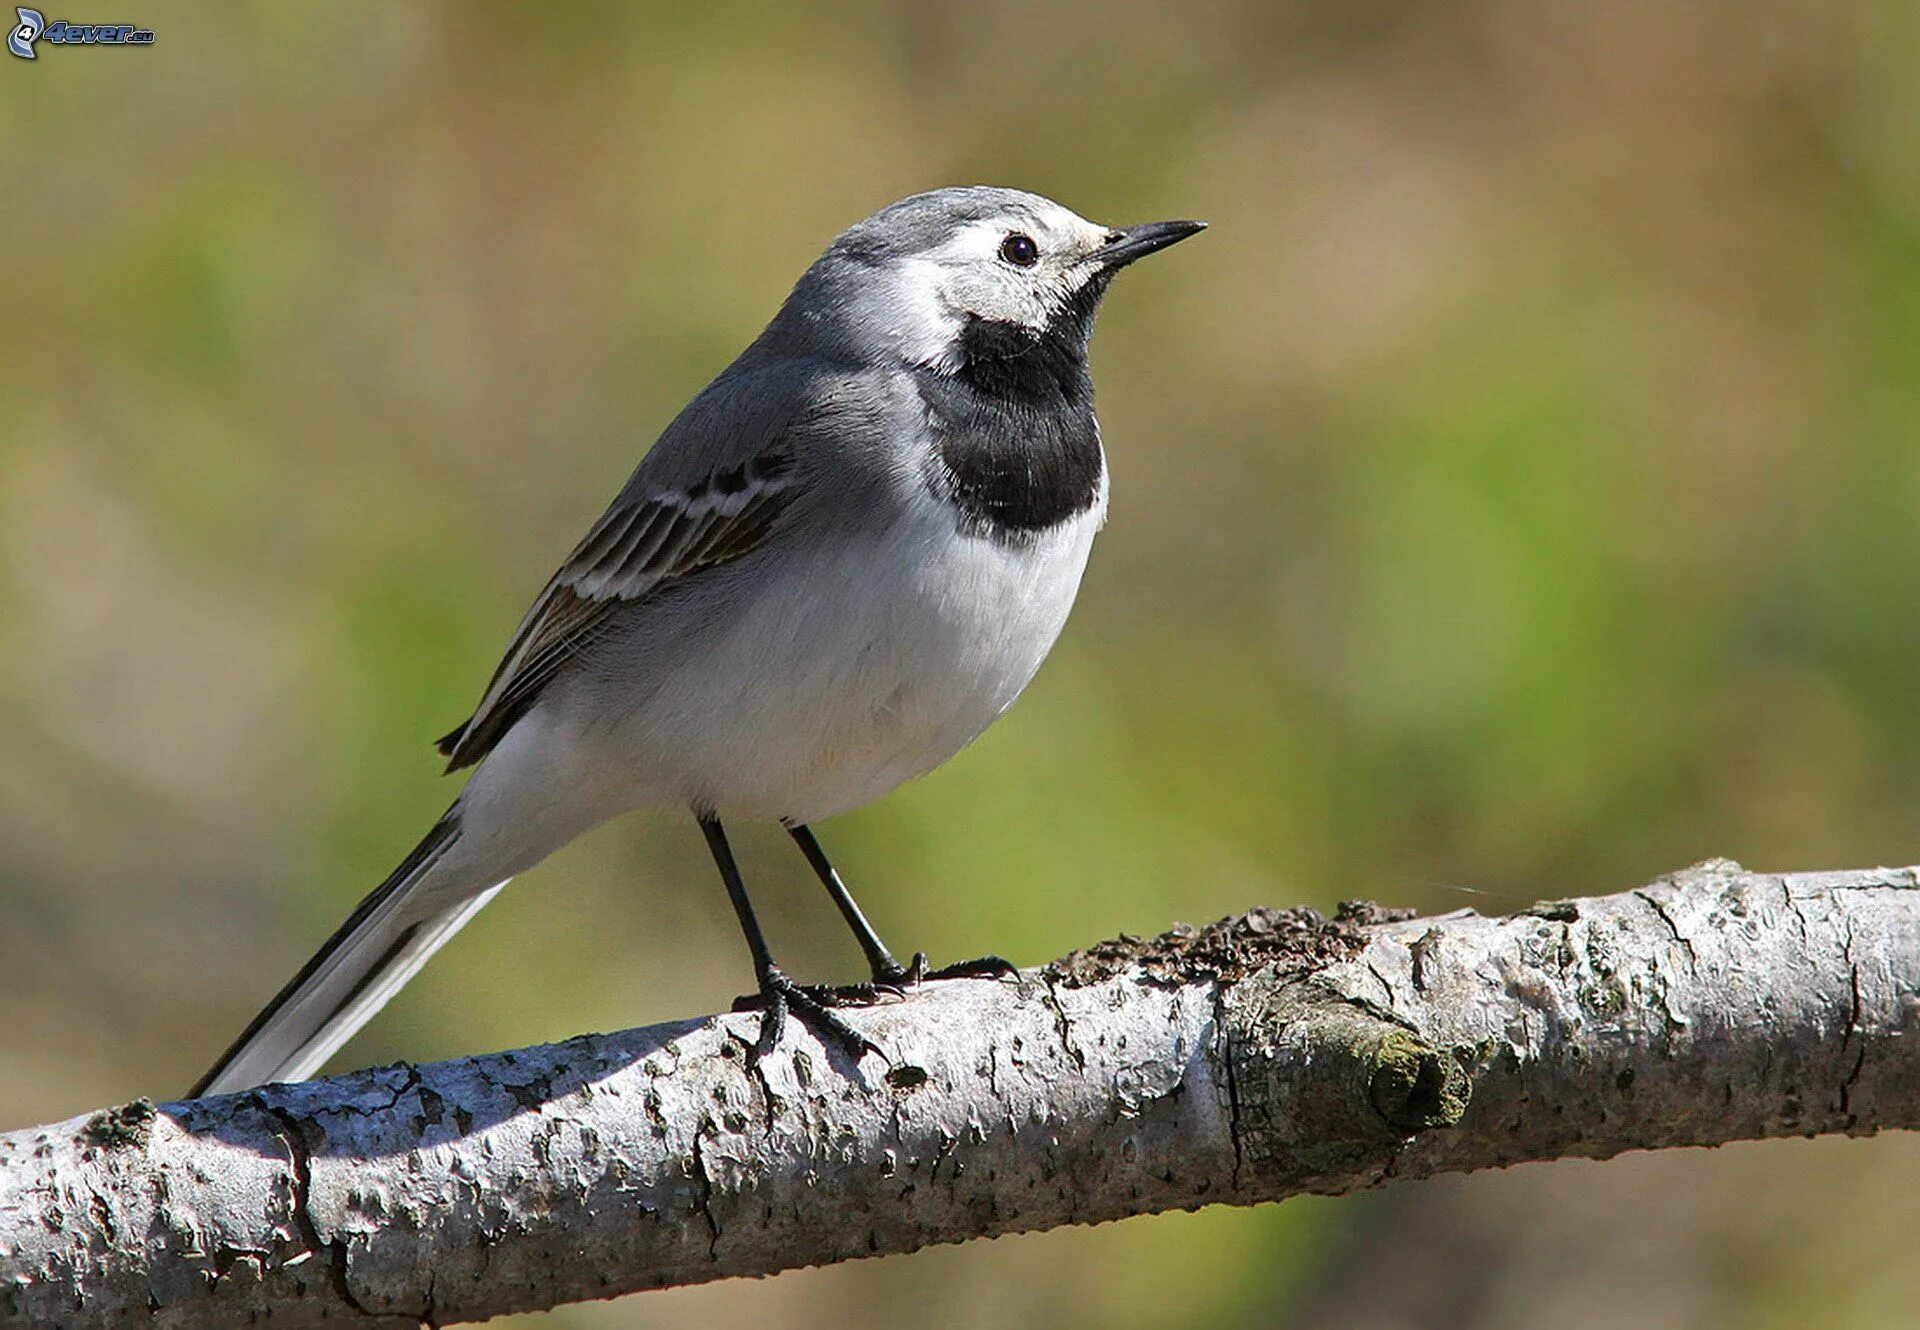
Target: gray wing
[(715, 487)]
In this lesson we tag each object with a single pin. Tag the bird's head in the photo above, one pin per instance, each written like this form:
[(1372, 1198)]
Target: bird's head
[(938, 276)]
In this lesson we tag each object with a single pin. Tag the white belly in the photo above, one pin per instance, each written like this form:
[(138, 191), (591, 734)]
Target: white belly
[(843, 676)]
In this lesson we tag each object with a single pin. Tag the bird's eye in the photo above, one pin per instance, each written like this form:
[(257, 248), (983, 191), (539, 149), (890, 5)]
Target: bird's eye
[(1019, 250)]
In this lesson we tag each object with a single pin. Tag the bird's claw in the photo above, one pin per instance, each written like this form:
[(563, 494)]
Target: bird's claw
[(868, 994), (814, 1004), (779, 996), (893, 981), (890, 984), (980, 967)]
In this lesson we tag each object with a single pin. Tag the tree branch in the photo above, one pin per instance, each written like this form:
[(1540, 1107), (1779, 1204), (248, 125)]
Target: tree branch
[(1269, 1055)]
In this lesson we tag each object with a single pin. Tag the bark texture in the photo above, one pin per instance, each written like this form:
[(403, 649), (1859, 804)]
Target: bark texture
[(1272, 1054)]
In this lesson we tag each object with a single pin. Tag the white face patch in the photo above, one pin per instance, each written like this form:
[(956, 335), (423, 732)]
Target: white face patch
[(968, 277)]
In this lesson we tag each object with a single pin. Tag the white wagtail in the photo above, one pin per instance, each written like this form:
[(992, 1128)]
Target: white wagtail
[(841, 562)]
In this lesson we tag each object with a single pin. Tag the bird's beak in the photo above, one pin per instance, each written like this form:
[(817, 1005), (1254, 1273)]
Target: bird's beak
[(1134, 242)]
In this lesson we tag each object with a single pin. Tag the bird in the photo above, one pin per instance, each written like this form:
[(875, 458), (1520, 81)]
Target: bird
[(843, 560)]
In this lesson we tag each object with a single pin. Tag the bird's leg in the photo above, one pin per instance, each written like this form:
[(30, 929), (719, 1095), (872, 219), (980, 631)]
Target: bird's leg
[(889, 976), (778, 994)]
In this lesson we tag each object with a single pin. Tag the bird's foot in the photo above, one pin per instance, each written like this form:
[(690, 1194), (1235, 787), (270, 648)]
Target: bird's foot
[(980, 967), (889, 984), (893, 982), (895, 979), (872, 993), (814, 1004), (780, 995)]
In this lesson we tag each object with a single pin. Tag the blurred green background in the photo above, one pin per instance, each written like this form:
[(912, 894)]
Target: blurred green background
[(1514, 493)]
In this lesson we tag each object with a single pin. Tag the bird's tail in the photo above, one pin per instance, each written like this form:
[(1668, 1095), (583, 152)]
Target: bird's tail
[(387, 938)]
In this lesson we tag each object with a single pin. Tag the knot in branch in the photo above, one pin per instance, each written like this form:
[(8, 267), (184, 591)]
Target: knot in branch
[(1320, 1082)]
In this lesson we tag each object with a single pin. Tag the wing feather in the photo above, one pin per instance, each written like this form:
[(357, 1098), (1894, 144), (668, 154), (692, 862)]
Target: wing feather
[(645, 541), (601, 543)]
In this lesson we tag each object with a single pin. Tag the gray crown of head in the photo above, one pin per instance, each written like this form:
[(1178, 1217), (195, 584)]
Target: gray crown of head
[(921, 222)]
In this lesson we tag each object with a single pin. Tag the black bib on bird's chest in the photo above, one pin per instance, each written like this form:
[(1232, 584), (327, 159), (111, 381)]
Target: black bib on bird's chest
[(1014, 427)]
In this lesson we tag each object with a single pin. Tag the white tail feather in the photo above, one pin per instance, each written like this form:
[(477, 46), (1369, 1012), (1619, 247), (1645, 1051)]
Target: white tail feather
[(381, 946)]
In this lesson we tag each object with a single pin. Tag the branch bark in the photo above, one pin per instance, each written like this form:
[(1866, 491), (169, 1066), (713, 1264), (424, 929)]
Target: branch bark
[(1269, 1055)]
